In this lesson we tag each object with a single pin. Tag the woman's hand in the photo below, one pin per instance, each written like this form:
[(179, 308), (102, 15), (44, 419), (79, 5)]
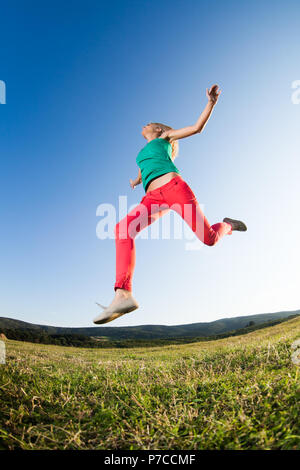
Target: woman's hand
[(138, 180), (213, 94)]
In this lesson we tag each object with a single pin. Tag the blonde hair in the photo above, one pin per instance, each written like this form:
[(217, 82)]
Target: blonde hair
[(174, 143)]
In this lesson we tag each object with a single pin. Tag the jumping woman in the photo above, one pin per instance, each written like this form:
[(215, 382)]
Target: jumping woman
[(164, 189)]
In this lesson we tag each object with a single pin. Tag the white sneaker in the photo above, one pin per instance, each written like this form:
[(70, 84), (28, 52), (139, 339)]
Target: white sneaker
[(119, 308)]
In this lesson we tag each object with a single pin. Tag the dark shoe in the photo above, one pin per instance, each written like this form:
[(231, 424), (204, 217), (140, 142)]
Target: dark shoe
[(236, 224)]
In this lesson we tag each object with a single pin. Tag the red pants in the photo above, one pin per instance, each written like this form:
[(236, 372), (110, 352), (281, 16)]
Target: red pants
[(175, 195)]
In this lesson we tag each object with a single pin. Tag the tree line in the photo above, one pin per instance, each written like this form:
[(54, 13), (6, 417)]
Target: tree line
[(83, 341)]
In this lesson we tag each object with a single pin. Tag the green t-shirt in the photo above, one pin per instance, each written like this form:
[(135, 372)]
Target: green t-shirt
[(155, 159)]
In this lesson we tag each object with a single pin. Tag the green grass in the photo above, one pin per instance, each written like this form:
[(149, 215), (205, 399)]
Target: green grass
[(235, 393)]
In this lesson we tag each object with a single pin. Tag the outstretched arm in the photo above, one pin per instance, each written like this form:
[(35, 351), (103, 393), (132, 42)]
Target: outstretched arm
[(175, 134), (137, 181)]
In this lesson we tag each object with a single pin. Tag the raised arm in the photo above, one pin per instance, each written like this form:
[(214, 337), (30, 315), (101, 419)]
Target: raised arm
[(175, 134)]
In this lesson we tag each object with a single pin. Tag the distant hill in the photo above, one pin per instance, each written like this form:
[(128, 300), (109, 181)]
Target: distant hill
[(217, 327)]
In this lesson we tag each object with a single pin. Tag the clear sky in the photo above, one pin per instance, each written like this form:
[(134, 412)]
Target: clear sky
[(82, 78)]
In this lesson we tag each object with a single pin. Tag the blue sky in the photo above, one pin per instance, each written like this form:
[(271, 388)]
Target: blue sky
[(82, 78)]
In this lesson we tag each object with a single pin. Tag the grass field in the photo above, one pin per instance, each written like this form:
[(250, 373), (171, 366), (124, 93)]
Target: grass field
[(235, 393)]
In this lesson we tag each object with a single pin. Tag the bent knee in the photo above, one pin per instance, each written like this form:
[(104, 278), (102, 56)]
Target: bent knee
[(211, 241), (119, 231), (122, 231)]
